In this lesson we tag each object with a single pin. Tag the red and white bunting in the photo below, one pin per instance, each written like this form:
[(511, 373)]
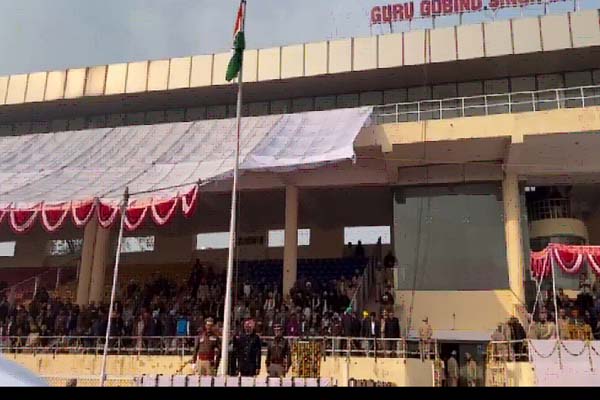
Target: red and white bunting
[(54, 215), (570, 259), (82, 212), (162, 212), (22, 220), (189, 201), (135, 217)]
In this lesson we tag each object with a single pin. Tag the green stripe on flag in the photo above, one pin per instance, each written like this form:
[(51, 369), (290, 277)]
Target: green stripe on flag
[(235, 64)]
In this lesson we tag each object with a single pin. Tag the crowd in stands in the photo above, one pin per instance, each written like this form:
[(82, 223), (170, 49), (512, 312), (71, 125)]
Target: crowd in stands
[(161, 307), (578, 318)]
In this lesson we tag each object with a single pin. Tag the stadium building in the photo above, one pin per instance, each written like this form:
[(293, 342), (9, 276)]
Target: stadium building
[(459, 148)]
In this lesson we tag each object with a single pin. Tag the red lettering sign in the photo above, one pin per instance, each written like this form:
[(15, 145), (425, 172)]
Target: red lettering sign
[(389, 13)]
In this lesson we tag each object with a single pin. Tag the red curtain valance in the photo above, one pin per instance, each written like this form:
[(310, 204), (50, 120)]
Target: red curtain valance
[(569, 258), (54, 215)]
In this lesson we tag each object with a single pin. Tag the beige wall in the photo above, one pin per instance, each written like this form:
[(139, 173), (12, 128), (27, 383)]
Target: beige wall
[(558, 227), (520, 374), (479, 310), (409, 372)]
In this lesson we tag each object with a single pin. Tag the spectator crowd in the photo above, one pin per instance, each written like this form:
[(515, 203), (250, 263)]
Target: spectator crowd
[(146, 313)]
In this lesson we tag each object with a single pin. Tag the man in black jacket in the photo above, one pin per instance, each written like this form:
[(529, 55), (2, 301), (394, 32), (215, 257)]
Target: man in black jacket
[(248, 351), (391, 331), (371, 329)]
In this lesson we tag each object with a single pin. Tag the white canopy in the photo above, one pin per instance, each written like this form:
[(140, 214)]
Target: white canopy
[(166, 161), (13, 374)]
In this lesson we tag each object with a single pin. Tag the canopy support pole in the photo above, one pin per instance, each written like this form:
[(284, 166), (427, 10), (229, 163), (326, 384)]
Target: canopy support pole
[(114, 286)]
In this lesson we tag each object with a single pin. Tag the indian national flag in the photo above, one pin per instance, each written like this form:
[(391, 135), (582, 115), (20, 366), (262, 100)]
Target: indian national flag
[(239, 44)]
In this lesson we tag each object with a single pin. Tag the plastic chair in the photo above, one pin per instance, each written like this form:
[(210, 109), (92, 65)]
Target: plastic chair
[(179, 381), (260, 382), (274, 382), (325, 382), (232, 381), (149, 380), (247, 381), (193, 380), (206, 381), (218, 381), (311, 382), (287, 382), (165, 380), (299, 382)]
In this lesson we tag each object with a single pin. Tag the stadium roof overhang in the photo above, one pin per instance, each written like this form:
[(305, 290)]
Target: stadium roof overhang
[(76, 175), (576, 59)]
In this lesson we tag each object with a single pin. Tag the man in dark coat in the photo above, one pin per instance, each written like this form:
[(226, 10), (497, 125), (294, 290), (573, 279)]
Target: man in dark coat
[(391, 330), (248, 351), (279, 356), (371, 329)]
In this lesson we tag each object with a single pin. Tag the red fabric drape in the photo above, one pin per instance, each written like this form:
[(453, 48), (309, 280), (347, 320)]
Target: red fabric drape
[(54, 215), (163, 212), (107, 214), (568, 258), (134, 217), (189, 201), (82, 212), (22, 220)]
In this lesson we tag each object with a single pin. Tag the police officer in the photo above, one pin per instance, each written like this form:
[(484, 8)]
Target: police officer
[(453, 370), (425, 335), (278, 354), (248, 351), (207, 352)]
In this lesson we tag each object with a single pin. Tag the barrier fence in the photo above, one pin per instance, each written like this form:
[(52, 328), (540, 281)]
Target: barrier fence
[(184, 346), (488, 104), (151, 380)]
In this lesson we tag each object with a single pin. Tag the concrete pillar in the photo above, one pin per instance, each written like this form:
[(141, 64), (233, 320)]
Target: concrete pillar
[(101, 257), (513, 234), (85, 266), (290, 249)]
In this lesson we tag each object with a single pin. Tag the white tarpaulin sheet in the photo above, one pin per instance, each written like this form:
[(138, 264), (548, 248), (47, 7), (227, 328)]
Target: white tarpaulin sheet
[(580, 363), (100, 163)]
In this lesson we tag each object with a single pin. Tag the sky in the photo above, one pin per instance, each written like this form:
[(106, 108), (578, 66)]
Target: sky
[(40, 35)]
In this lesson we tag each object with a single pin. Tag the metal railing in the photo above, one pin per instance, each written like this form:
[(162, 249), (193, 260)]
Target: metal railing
[(183, 346), (488, 104), (550, 209), (508, 350)]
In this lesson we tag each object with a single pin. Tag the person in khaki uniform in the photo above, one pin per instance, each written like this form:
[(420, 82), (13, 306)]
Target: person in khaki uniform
[(453, 370), (425, 335), (471, 371), (563, 325), (207, 352), (499, 350)]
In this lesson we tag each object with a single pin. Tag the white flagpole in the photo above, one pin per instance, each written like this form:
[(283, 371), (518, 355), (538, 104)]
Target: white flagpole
[(114, 286), (224, 365), (557, 330)]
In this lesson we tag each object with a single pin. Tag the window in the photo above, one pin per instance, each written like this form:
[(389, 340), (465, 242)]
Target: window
[(7, 249), (212, 241), (367, 234), (64, 247), (277, 237), (137, 244)]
